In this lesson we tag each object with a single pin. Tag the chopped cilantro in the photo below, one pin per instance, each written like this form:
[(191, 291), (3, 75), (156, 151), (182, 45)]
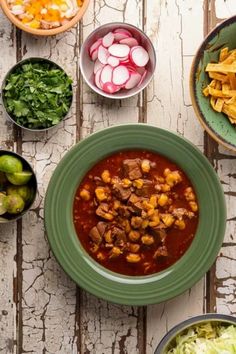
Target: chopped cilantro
[(37, 95)]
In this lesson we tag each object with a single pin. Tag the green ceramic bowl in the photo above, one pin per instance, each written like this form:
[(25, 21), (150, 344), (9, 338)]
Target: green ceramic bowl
[(216, 124), (89, 274)]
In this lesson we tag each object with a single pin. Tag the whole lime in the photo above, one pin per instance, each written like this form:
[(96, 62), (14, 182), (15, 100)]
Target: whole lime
[(2, 208), (19, 178), (10, 164), (13, 204), (24, 191)]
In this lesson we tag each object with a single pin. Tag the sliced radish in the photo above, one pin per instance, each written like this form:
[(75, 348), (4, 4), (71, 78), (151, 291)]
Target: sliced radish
[(94, 55), (108, 39), (120, 75), (120, 35), (97, 65), (97, 79), (130, 68), (119, 50), (142, 78), (106, 74), (124, 58), (139, 56), (133, 81), (109, 87), (122, 30), (140, 70), (131, 42), (95, 46), (113, 61), (103, 55)]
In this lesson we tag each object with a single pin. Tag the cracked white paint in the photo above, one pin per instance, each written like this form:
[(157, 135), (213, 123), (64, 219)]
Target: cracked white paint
[(168, 98), (52, 322), (7, 231), (224, 8), (48, 295), (180, 31)]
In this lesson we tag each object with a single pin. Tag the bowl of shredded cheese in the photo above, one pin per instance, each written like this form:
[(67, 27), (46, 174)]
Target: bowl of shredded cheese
[(44, 17)]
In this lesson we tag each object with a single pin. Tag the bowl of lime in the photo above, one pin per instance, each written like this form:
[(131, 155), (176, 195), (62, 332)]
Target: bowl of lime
[(18, 186)]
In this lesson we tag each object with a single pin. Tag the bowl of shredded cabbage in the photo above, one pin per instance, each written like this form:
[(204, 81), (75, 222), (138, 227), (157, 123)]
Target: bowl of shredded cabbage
[(204, 334)]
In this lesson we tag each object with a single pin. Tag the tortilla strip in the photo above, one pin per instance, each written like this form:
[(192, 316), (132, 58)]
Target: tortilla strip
[(231, 58), (232, 120), (224, 54), (232, 80), (220, 93), (230, 110), (219, 104), (218, 76), (229, 68)]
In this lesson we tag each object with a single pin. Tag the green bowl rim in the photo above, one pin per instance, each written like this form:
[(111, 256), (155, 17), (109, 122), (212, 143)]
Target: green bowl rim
[(116, 278)]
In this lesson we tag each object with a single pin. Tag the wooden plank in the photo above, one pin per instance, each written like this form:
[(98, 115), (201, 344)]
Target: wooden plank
[(108, 328), (48, 295), (169, 107), (221, 285), (8, 232)]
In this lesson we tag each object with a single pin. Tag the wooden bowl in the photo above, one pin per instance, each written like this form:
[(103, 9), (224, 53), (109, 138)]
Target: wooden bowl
[(44, 32)]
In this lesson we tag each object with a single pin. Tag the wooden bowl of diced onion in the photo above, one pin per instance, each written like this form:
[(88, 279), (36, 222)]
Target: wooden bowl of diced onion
[(44, 17)]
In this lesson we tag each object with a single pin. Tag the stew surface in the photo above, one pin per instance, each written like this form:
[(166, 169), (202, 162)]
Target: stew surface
[(135, 212)]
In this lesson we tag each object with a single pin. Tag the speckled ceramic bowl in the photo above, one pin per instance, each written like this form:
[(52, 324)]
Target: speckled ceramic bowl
[(44, 32), (216, 124), (134, 290), (169, 339)]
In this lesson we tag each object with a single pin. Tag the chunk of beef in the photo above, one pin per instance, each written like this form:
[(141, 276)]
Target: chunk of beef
[(132, 169), (124, 211), (97, 232), (101, 226), (98, 181), (103, 211), (180, 212), (159, 233), (161, 252), (118, 234), (95, 235), (135, 203), (121, 192), (146, 190)]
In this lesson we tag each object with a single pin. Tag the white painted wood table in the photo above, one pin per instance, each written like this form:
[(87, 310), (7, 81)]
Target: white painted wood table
[(41, 309)]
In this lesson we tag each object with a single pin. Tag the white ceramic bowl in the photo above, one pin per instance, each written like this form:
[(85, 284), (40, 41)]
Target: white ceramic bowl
[(87, 65)]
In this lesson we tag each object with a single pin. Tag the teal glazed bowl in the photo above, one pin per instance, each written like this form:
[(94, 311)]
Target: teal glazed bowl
[(169, 340), (111, 286), (216, 124)]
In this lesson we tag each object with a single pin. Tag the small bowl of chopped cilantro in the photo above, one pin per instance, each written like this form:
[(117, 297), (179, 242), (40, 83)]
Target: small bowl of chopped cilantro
[(205, 334), (37, 94)]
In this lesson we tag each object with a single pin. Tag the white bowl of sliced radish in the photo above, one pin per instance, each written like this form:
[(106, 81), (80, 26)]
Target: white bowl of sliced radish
[(117, 60)]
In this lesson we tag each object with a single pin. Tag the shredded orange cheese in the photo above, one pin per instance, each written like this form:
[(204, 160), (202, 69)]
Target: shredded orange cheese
[(44, 14)]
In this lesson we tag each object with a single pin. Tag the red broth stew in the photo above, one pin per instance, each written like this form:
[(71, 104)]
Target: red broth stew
[(135, 212)]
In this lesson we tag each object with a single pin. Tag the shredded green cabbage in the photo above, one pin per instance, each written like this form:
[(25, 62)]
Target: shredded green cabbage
[(207, 338)]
